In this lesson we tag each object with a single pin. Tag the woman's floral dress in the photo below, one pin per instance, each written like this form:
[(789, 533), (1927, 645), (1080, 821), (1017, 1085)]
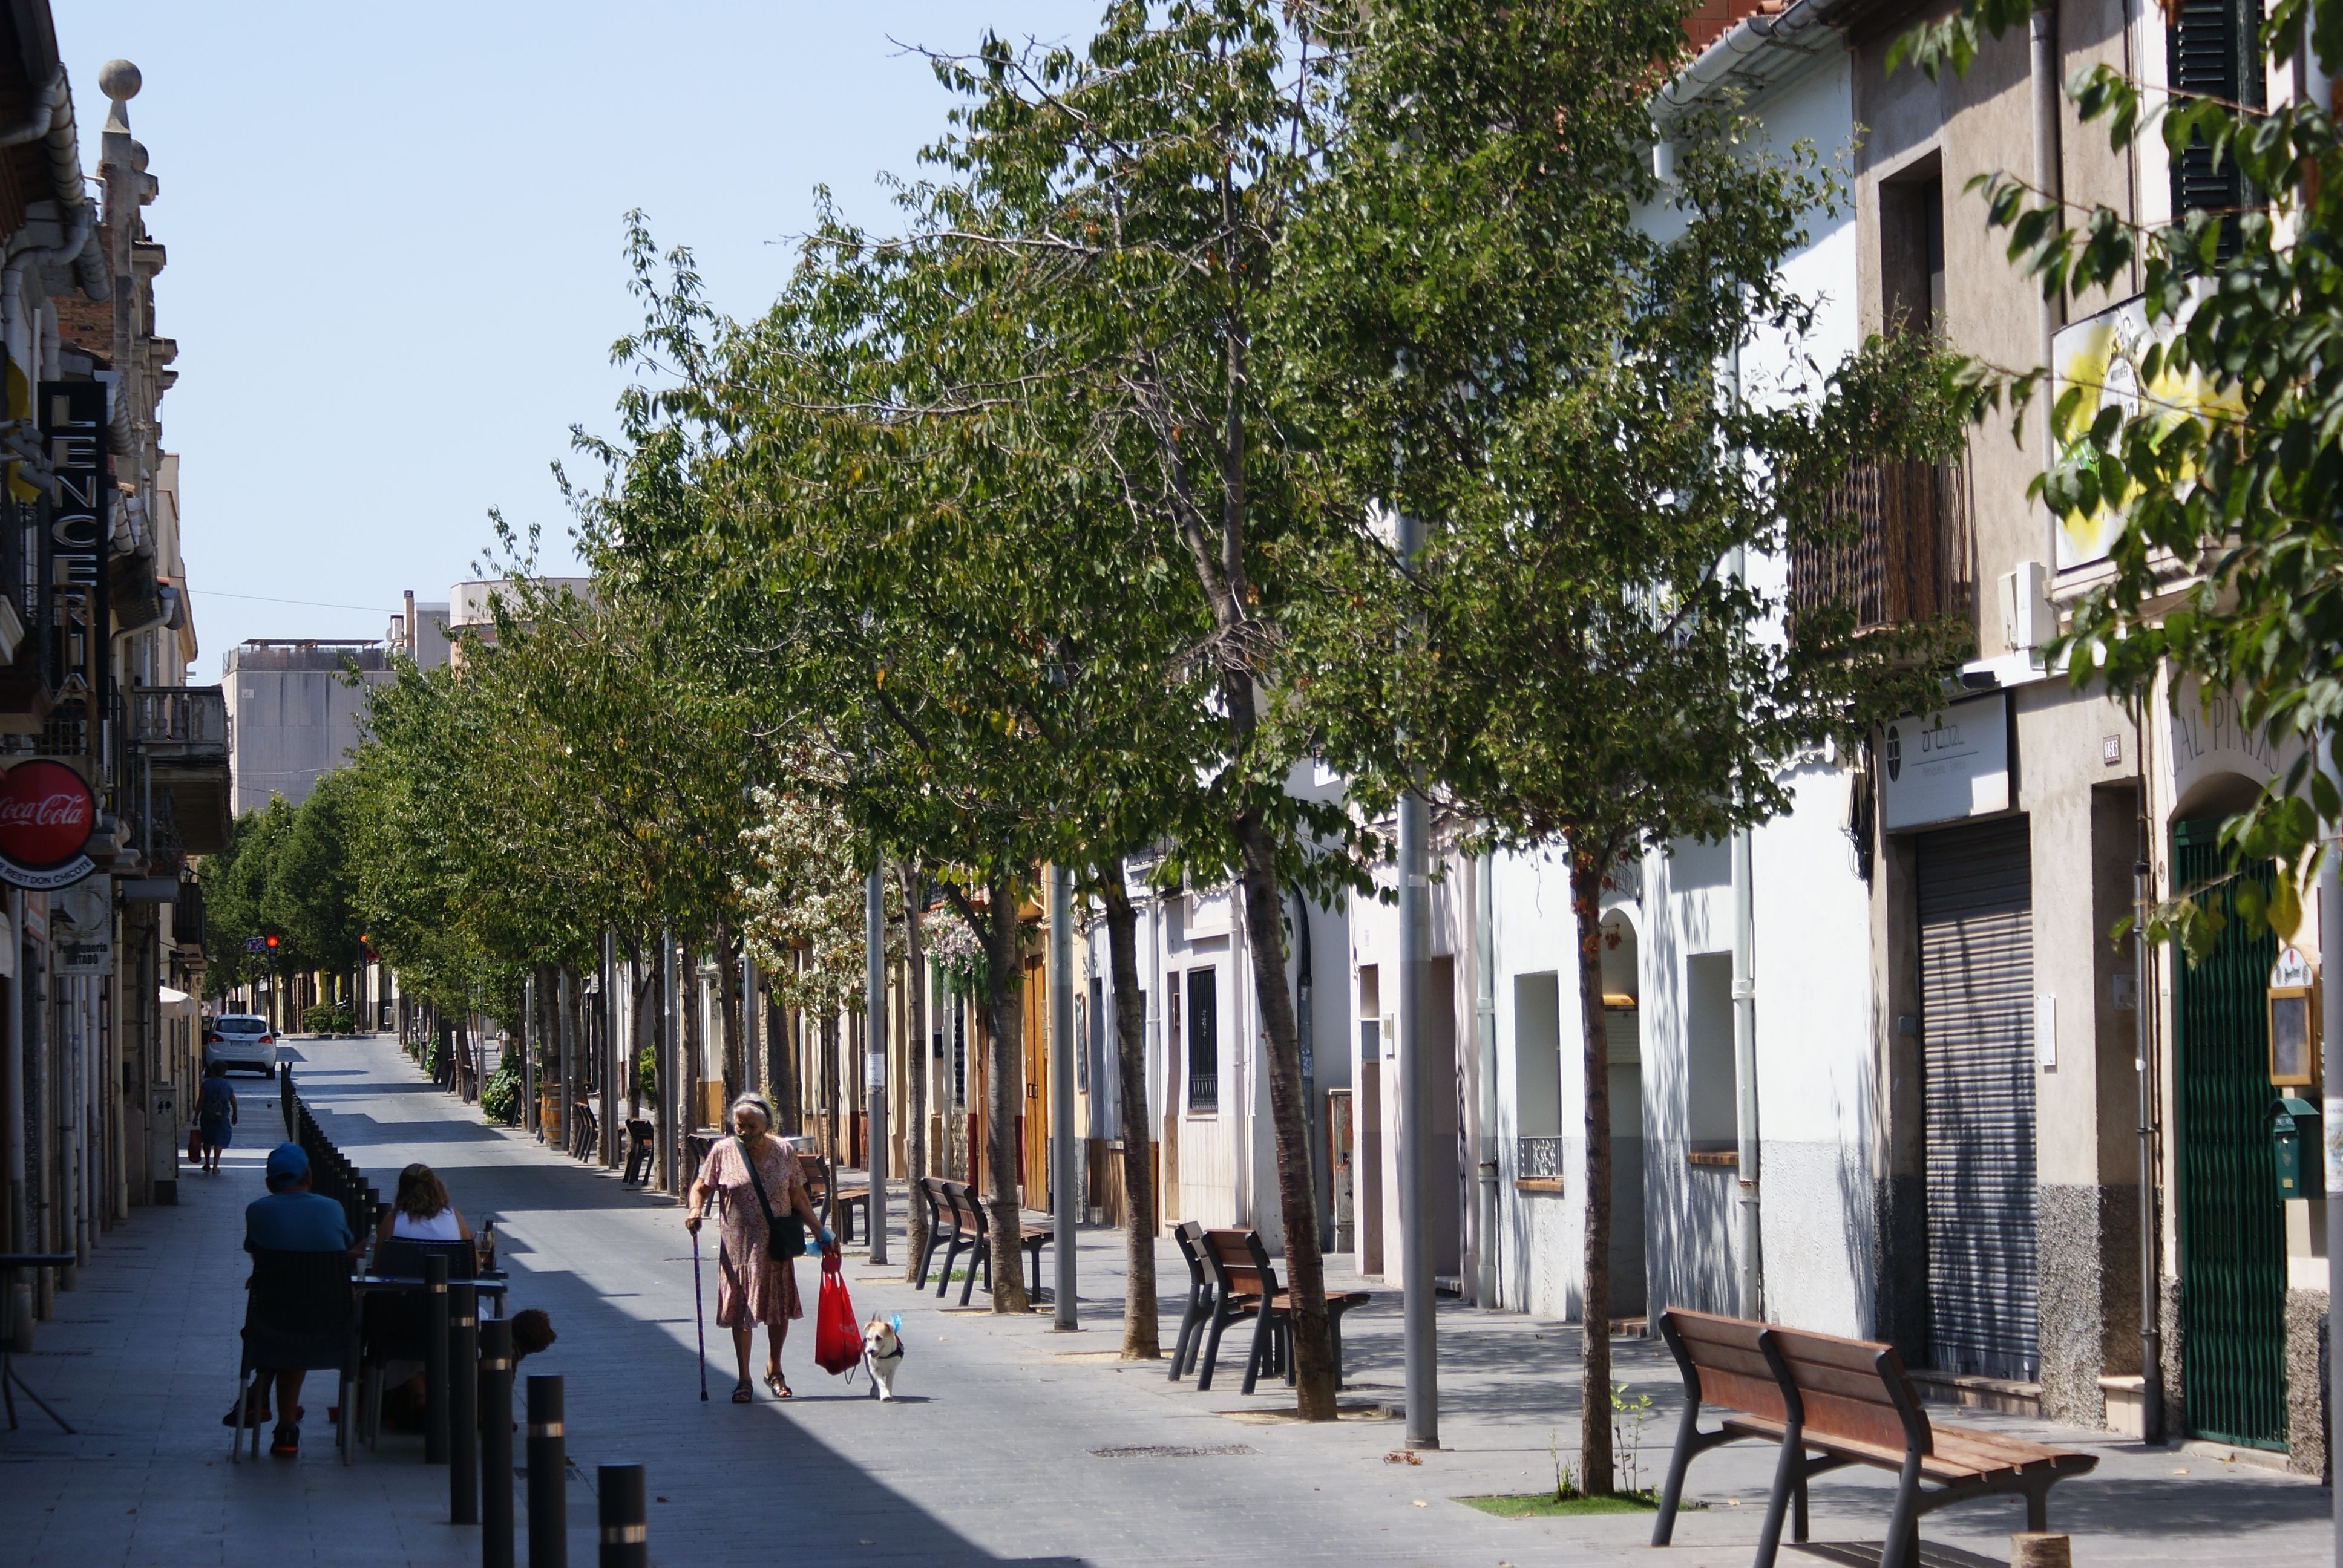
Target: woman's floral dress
[(752, 1287)]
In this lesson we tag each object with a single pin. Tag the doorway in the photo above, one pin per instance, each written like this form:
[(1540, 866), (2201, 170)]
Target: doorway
[(2232, 1244)]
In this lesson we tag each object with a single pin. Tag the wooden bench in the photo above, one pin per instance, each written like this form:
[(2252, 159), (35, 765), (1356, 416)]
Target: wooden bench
[(971, 1227), (1850, 1403), (928, 1192), (850, 1194), (639, 1146), (1244, 1284)]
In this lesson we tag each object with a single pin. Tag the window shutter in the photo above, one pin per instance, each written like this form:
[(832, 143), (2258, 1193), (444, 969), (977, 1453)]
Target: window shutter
[(2212, 42)]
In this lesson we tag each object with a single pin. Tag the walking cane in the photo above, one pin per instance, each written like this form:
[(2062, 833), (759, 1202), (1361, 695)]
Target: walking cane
[(699, 1316)]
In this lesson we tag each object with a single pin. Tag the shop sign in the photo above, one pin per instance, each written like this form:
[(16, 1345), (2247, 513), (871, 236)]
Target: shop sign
[(1943, 766), (81, 927), (47, 817), (73, 429)]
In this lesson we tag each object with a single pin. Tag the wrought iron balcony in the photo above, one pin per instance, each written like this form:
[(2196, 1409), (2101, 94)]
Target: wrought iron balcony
[(1894, 548), (180, 721)]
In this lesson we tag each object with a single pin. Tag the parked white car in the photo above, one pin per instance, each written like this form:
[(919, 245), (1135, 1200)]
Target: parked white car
[(241, 1041)]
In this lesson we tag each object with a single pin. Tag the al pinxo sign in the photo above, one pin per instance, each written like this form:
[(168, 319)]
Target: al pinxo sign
[(47, 817)]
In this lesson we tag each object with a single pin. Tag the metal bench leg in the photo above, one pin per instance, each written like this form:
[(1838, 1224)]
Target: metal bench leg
[(1672, 1489), (951, 1255), (1902, 1548), (979, 1257), (1263, 1348), (2037, 1508), (1180, 1339), (1789, 1473), (1034, 1252), (1798, 1509), (1221, 1321)]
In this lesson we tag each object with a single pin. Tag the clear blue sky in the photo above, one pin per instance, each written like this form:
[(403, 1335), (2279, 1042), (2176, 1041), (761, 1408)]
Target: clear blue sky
[(394, 241)]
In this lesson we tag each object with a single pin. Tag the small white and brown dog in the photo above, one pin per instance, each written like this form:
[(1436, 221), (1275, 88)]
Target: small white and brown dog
[(882, 1354)]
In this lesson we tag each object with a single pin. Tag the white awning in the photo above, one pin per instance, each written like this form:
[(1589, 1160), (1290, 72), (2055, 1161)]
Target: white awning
[(175, 1003)]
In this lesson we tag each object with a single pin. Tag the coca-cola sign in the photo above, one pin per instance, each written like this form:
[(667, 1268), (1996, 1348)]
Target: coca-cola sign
[(46, 815)]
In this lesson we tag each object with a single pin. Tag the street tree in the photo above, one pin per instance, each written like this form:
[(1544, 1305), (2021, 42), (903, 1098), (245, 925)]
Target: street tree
[(1503, 324)]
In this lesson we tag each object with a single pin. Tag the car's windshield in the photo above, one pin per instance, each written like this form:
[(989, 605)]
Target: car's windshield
[(235, 1023)]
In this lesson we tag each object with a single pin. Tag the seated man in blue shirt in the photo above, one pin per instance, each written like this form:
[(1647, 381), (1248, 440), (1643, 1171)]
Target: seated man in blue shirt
[(291, 1219)]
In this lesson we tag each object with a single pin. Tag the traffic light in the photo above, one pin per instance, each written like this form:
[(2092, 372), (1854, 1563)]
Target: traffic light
[(272, 944)]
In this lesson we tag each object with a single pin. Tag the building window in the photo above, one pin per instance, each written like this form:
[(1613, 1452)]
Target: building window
[(1912, 248), (1203, 1041), (2212, 51), (1711, 1085)]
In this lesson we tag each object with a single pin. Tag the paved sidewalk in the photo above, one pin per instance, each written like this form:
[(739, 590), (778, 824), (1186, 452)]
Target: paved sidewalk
[(992, 1457)]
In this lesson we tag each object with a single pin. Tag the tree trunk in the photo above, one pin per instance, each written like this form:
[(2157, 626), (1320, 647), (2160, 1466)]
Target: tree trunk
[(1595, 1474), (1004, 1088), (918, 1066), (729, 1013), (1139, 1338), (1305, 1270), (782, 1066), (693, 991)]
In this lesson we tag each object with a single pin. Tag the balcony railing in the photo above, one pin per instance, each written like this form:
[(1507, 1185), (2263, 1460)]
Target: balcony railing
[(1537, 1160), (1894, 548), (180, 720)]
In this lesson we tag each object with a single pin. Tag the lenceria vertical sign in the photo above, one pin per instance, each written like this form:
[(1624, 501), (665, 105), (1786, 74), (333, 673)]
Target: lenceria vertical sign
[(73, 427)]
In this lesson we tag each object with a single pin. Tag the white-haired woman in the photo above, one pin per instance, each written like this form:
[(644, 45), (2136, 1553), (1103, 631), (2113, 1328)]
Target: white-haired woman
[(753, 1286)]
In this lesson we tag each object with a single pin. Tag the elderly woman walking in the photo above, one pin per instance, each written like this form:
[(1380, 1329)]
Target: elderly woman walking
[(751, 1175)]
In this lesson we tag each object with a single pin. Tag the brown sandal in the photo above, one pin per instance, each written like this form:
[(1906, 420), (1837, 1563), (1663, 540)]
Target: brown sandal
[(742, 1394), (780, 1387)]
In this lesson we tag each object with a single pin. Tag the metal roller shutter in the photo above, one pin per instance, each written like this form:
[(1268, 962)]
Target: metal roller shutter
[(1976, 990)]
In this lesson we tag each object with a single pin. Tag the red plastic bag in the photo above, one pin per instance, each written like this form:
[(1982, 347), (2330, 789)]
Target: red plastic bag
[(837, 1337)]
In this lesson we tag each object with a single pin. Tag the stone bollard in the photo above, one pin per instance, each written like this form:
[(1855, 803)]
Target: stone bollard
[(626, 1534), (496, 1375), (549, 1479), (435, 1359), (463, 1404), (2039, 1549)]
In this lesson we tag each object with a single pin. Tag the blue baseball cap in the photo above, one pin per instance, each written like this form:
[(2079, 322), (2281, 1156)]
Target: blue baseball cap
[(287, 1165)]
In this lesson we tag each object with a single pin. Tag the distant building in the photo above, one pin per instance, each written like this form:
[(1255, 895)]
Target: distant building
[(420, 633), (471, 606), (294, 714)]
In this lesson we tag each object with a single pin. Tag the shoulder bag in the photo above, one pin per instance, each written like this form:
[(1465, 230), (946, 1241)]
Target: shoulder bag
[(785, 1233)]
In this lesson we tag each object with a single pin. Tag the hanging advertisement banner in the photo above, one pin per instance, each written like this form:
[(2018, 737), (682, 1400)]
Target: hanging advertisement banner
[(47, 817)]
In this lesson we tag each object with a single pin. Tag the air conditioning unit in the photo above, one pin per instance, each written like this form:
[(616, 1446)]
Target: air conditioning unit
[(2028, 621)]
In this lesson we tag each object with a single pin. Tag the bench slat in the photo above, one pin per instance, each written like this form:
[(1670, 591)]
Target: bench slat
[(1827, 1351)]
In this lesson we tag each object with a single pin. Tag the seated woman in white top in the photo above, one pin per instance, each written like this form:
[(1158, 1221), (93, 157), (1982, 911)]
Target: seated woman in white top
[(421, 1212)]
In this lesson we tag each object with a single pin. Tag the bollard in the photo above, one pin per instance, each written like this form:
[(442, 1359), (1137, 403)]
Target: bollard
[(626, 1535), (549, 1483), (435, 1360), (495, 1374), (463, 1405)]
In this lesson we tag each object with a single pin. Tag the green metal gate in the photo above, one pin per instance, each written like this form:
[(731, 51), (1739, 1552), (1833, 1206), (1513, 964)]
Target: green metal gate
[(2232, 1241)]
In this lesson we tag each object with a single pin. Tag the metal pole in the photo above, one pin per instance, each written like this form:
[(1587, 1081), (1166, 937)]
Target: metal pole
[(671, 1121), (874, 1045), (549, 1482), (625, 1530), (495, 1374), (1417, 1201), (1065, 1170), (1744, 1074), (435, 1360), (1485, 1289), (2151, 1295), (2331, 1021), (463, 1402)]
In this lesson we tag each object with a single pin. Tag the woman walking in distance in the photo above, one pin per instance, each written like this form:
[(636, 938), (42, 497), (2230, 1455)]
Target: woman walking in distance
[(215, 1115), (750, 1175)]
